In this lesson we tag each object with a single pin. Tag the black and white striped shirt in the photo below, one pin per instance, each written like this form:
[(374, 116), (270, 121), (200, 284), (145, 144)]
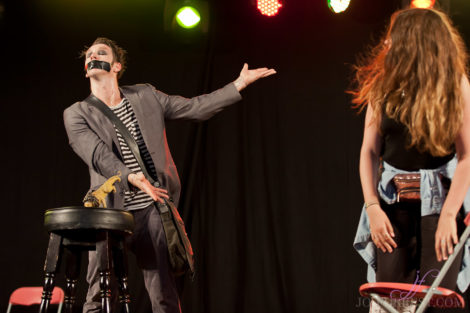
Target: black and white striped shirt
[(139, 199)]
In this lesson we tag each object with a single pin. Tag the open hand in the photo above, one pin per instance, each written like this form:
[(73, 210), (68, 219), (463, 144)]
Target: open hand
[(446, 237), (139, 181), (249, 76), (381, 229)]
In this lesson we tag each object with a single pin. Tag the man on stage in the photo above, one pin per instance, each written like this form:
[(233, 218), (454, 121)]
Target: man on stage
[(143, 110)]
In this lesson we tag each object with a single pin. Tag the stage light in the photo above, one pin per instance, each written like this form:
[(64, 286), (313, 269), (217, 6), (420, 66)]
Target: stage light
[(338, 6), (422, 4), (269, 7), (188, 17)]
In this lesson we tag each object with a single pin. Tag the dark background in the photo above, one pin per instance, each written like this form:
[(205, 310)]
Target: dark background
[(271, 194)]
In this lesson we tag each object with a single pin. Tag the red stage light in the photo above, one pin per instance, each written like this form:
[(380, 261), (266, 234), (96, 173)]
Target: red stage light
[(269, 7), (423, 4)]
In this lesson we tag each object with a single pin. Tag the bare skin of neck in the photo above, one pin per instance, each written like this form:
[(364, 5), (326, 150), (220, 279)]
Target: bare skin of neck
[(106, 88)]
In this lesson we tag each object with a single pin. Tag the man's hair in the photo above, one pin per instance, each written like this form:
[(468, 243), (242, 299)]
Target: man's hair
[(119, 54)]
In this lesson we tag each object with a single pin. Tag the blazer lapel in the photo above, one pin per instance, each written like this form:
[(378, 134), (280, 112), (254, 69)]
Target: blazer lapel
[(105, 127), (140, 114)]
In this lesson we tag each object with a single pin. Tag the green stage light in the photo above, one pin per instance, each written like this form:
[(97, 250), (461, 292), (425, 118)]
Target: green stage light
[(338, 6), (188, 17)]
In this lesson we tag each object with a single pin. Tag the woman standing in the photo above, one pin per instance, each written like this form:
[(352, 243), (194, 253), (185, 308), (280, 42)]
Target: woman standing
[(417, 99)]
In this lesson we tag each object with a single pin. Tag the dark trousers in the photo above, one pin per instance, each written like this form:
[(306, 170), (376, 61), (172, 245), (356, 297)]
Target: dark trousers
[(148, 243), (415, 255)]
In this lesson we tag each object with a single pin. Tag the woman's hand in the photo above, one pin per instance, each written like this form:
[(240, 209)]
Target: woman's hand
[(446, 233), (381, 229), (446, 236)]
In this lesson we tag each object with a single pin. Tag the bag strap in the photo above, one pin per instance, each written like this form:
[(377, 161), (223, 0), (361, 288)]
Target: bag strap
[(167, 209), (128, 138)]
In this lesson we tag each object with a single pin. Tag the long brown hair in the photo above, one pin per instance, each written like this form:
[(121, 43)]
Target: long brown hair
[(414, 77)]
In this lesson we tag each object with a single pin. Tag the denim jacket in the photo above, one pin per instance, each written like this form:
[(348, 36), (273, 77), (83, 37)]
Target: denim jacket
[(432, 198)]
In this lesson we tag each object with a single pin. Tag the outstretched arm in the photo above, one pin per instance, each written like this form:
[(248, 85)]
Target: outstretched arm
[(250, 76), (205, 106), (446, 233)]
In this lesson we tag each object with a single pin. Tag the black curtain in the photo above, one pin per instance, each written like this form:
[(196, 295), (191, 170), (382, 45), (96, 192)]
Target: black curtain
[(271, 195)]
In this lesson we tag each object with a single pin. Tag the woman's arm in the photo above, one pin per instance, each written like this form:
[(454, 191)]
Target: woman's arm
[(446, 233), (380, 227)]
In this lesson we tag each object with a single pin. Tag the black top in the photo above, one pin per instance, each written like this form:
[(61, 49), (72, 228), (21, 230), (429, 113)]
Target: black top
[(396, 151)]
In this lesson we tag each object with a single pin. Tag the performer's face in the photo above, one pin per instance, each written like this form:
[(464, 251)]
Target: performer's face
[(101, 52)]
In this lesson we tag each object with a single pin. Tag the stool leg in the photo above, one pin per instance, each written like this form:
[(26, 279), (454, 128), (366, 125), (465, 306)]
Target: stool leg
[(50, 268), (120, 268), (103, 252), (72, 271)]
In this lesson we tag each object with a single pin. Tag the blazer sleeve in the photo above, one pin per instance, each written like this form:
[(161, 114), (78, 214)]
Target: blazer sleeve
[(91, 149), (197, 108)]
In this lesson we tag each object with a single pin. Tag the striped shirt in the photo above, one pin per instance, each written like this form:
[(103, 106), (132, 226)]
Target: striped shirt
[(133, 199)]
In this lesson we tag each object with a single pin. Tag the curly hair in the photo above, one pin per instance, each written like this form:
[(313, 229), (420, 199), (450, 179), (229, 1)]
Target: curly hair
[(119, 54), (414, 77)]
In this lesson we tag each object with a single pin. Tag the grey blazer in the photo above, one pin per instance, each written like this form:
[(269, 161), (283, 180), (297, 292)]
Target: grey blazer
[(93, 138)]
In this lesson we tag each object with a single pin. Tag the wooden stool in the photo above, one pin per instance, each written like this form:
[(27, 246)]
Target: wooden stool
[(76, 229)]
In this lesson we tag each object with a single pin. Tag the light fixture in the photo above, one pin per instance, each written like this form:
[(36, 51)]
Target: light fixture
[(339, 6), (268, 7), (422, 4), (188, 17)]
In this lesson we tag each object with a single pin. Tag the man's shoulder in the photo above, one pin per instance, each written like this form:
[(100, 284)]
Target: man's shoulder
[(77, 107), (145, 94), (83, 106), (137, 88), (74, 106)]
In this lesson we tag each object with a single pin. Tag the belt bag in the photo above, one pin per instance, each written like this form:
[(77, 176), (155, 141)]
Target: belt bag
[(179, 247), (408, 187)]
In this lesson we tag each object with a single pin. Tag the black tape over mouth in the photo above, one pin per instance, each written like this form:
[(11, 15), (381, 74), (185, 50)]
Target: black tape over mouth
[(102, 65)]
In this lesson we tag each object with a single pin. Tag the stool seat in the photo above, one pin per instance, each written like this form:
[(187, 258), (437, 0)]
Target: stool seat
[(75, 229), (83, 224)]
